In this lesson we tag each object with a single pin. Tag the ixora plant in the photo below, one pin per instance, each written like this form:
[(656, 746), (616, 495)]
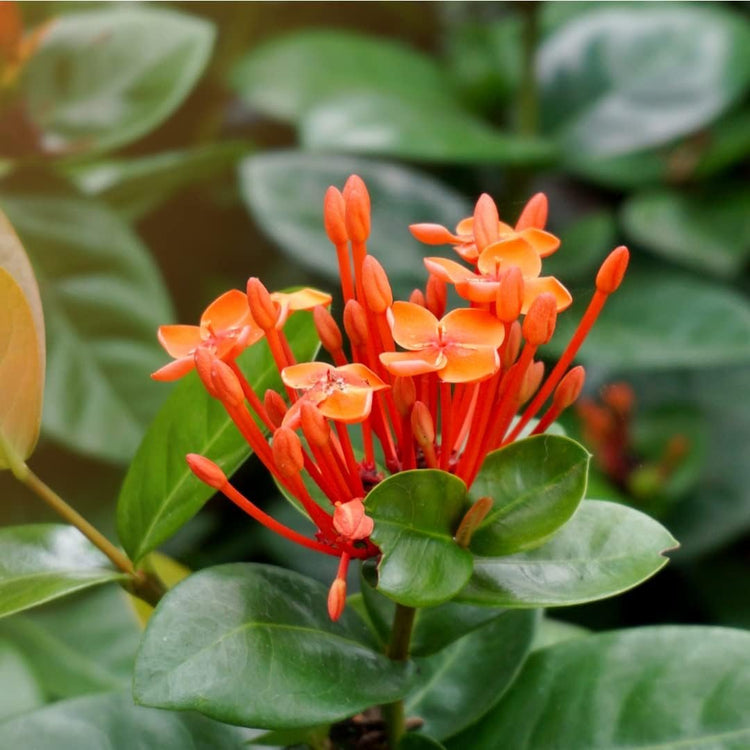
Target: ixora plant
[(426, 449)]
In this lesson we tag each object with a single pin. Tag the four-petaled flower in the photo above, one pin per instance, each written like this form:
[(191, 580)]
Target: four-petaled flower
[(460, 347)]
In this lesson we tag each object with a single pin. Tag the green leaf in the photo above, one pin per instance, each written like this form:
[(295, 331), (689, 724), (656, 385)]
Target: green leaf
[(111, 721), (83, 644), (253, 645), (19, 688), (708, 231), (284, 192), (405, 128), (103, 299), (536, 485), (160, 493), (657, 320), (41, 562), (646, 688), (415, 741), (603, 550), (286, 76), (617, 80), (135, 187), (461, 683), (416, 514), (550, 632), (104, 78)]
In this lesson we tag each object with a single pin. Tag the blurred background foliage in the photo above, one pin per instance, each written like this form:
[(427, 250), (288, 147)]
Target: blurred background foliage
[(153, 155)]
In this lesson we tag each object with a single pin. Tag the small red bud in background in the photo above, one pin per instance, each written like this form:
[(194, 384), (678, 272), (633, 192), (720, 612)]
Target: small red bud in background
[(206, 470), (486, 221), (539, 323), (472, 520), (334, 212), (357, 213), (532, 379), (436, 296), (328, 330), (376, 286), (613, 270), (534, 214), (404, 394), (417, 298), (422, 425), (275, 407), (512, 345), (287, 452), (262, 307), (355, 323), (510, 295), (569, 388), (314, 425)]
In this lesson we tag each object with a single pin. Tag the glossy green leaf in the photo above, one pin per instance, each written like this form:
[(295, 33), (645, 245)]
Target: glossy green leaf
[(550, 632), (253, 645), (103, 78), (658, 320), (41, 562), (434, 627), (461, 683), (83, 644), (617, 80), (284, 192), (416, 741), (286, 76), (603, 550), (416, 514), (19, 689), (135, 187), (112, 721), (708, 231), (536, 485), (406, 128), (646, 688), (21, 375), (103, 299), (160, 493)]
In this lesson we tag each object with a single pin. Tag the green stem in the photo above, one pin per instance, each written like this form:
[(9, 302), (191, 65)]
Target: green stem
[(398, 650)]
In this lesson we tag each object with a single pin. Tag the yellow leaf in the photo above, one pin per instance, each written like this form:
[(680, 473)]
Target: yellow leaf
[(171, 573), (21, 374)]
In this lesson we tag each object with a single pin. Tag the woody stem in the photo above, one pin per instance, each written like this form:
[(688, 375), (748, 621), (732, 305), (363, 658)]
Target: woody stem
[(398, 650)]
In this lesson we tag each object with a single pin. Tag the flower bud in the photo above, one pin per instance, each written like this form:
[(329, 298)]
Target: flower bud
[(355, 323), (510, 295), (334, 209), (275, 407), (486, 222), (436, 296), (206, 470), (328, 330), (357, 214), (569, 388), (337, 599), (620, 398), (422, 425), (417, 298), (377, 288), (534, 214), (204, 360), (287, 452), (226, 383), (404, 394), (262, 307), (350, 521), (432, 234), (539, 323), (472, 520), (314, 425), (532, 379), (612, 270), (512, 345)]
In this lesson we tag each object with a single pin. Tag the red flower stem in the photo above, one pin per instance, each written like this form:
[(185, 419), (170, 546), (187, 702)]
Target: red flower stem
[(446, 422), (382, 430), (279, 357), (330, 470), (547, 419), (288, 353), (355, 481), (255, 403), (345, 271), (432, 402), (359, 252), (587, 321), (319, 477), (467, 409), (271, 523), (367, 443), (487, 392), (408, 456)]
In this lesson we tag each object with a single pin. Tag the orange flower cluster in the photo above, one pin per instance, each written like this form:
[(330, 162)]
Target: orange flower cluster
[(429, 388)]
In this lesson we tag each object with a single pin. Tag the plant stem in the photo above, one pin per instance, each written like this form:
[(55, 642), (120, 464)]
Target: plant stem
[(398, 650)]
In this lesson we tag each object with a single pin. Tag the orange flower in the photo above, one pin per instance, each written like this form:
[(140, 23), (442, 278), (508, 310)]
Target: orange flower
[(343, 394), (226, 329), (461, 347)]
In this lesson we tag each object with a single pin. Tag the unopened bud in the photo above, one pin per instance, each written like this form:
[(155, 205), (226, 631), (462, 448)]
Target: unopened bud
[(275, 407), (204, 360), (328, 330), (357, 214), (422, 425), (226, 383), (486, 222), (612, 270), (350, 521), (569, 388), (539, 323), (404, 394), (417, 298), (262, 307), (620, 398), (376, 286), (532, 379), (287, 452), (512, 345), (436, 296), (534, 213), (472, 520), (510, 295), (206, 470), (334, 211), (337, 599), (355, 323), (314, 425), (432, 234)]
